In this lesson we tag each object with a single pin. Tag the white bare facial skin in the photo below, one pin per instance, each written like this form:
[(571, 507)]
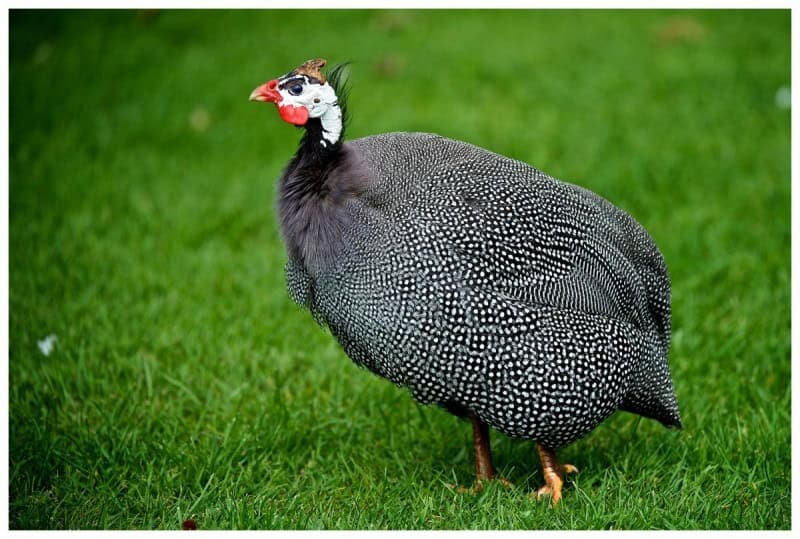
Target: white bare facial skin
[(321, 102)]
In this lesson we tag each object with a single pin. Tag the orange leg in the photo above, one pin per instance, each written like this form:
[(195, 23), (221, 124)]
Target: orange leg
[(553, 474), (484, 469)]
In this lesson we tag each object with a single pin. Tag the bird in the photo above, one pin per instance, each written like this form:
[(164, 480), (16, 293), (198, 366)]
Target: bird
[(509, 298)]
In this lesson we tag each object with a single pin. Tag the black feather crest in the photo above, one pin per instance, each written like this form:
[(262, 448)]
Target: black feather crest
[(337, 78)]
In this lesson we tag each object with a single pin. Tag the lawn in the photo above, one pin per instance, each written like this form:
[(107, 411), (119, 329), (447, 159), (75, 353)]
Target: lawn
[(184, 383)]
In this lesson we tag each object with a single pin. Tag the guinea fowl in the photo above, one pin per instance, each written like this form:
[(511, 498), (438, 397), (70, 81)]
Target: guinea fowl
[(483, 285)]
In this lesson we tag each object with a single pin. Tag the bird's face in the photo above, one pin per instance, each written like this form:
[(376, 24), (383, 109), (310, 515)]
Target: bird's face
[(301, 94)]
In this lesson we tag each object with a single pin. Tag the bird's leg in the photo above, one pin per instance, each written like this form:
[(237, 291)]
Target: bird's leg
[(553, 474), (484, 469)]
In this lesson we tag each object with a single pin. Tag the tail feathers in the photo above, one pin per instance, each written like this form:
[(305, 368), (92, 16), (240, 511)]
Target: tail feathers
[(662, 407), (653, 394)]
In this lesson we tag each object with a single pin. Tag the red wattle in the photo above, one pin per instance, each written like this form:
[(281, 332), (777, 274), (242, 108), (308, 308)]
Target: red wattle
[(293, 115)]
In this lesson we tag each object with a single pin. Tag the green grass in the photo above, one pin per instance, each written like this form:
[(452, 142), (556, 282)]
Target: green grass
[(184, 382)]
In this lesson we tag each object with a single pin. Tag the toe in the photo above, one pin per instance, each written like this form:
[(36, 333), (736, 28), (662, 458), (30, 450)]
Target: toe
[(474, 489), (543, 491), (554, 495)]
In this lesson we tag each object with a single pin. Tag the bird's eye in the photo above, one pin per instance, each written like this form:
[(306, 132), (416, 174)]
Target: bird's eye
[(296, 89)]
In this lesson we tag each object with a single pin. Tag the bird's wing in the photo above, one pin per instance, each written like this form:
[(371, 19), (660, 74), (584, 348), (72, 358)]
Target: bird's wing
[(499, 225), (507, 228)]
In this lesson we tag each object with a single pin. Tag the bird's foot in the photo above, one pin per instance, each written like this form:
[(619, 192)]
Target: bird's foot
[(553, 483), (503, 481), (479, 485)]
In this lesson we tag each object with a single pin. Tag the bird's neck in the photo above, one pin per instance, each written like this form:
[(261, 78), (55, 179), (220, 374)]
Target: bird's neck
[(314, 191), (324, 132), (317, 155), (331, 123)]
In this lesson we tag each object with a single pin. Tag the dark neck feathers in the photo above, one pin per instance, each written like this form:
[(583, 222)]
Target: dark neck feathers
[(315, 190)]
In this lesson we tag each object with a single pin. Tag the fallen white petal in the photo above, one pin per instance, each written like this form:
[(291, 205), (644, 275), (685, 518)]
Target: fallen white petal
[(47, 344)]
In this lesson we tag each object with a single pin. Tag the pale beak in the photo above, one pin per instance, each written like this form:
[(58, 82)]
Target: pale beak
[(267, 92)]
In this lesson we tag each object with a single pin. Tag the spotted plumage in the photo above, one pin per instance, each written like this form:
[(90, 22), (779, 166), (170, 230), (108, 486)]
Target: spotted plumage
[(478, 282)]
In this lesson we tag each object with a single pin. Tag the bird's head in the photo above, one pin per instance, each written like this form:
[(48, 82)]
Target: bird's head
[(304, 93)]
